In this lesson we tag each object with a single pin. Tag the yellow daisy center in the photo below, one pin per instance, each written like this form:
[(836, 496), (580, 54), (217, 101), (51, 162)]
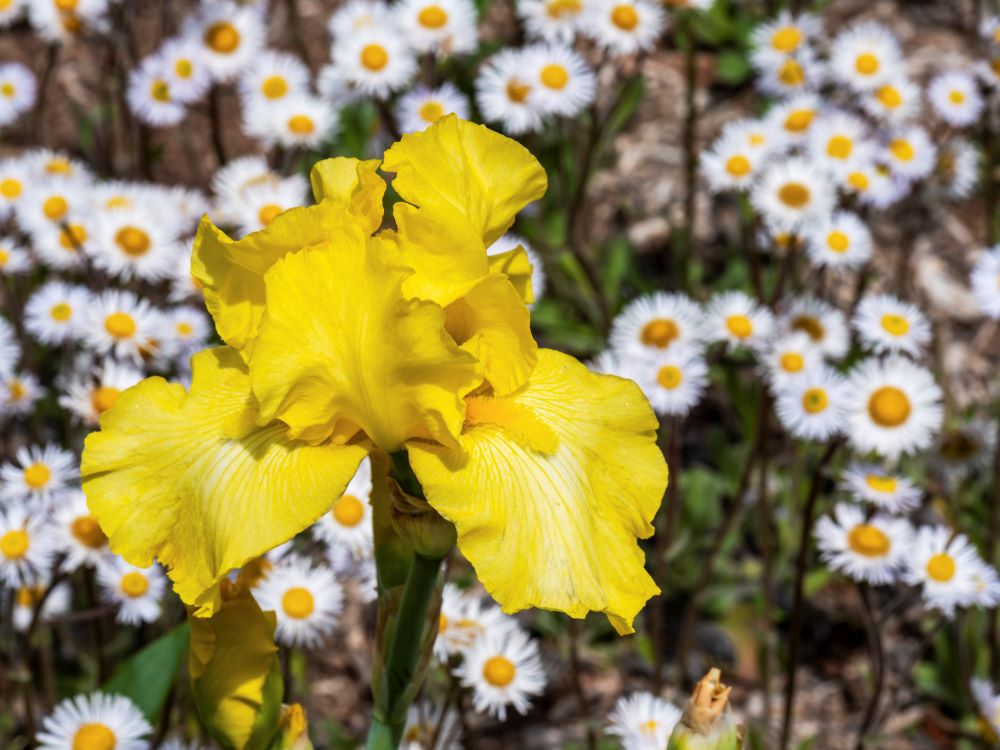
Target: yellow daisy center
[(670, 377), (895, 325), (995, 66), (792, 362), (268, 212), (625, 17), (738, 166), (298, 602), (791, 73), (839, 147), (104, 397), (7, 89), (941, 567), (881, 483), (517, 92), (160, 90), (858, 181), (25, 596), (442, 623), (183, 329), (133, 241), (274, 87), (61, 312), (739, 326), (10, 188), (902, 149), (37, 476), (786, 39), (374, 57), (794, 194), (118, 201), (348, 511), (956, 97), (71, 237), (866, 64), (222, 37), (94, 737), (868, 540), (16, 390), (14, 544), (562, 8), (55, 207), (838, 241), (889, 407), (120, 325), (87, 531), (499, 671), (799, 120), (59, 165), (649, 727), (134, 584), (810, 325), (555, 76), (183, 68), (432, 17), (889, 97), (659, 333), (301, 124), (431, 111), (4, 257), (815, 400)]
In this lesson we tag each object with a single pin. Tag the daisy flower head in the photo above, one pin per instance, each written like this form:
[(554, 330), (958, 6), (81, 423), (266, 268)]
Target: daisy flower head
[(120, 324), (985, 280), (45, 164), (989, 29), (431, 728), (945, 566), (893, 102), (790, 75), (673, 380), (15, 176), (182, 62), (231, 36), (50, 203), (11, 12), (963, 450), (17, 91), (822, 322), (58, 602), (65, 246), (422, 107), (19, 392), (758, 134), (295, 121), (136, 592), (623, 27), (734, 318), (464, 619), (987, 584), (65, 20), (910, 152), (232, 180), (53, 311), (376, 61), (643, 721), (10, 349), (503, 669), (359, 15), (894, 407), (793, 193), (883, 188), (187, 329), (273, 76), (654, 322), (865, 55), (886, 490), (505, 93), (87, 397), (306, 599), (27, 547), (38, 476), (988, 701), (77, 534), (888, 324), (786, 34), (444, 27), (838, 141), (349, 522), (511, 241), (872, 550), (788, 358), (556, 21), (955, 98), (183, 285), (132, 243), (814, 407), (794, 118), (563, 80), (265, 199), (97, 720), (957, 170), (841, 241), (151, 97), (731, 162)]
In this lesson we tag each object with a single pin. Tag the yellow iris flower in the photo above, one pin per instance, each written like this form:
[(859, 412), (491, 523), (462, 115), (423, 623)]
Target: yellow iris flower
[(342, 339)]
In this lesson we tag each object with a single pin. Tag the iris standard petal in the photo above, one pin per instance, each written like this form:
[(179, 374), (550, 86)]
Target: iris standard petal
[(353, 183)]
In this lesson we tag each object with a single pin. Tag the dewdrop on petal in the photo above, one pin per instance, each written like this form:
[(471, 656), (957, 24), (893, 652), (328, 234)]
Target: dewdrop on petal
[(707, 723)]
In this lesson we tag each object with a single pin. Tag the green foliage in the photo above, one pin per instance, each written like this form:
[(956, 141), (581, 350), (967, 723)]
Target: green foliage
[(147, 677)]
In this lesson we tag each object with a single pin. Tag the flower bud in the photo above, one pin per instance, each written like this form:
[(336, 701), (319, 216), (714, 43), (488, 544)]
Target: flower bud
[(707, 723)]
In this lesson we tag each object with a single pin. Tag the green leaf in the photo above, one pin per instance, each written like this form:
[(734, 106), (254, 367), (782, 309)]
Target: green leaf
[(732, 67), (146, 677)]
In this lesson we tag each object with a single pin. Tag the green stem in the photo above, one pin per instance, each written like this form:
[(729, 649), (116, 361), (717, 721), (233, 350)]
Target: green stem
[(404, 653)]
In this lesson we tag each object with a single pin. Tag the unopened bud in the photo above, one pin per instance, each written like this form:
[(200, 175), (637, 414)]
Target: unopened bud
[(707, 723)]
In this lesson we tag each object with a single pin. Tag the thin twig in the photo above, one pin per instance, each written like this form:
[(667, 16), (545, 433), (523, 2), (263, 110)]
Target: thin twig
[(877, 656), (575, 675), (767, 538), (662, 544)]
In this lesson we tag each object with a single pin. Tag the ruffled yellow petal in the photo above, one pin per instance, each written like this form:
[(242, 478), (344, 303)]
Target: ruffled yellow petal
[(341, 349), (551, 487), (492, 323), (353, 183), (516, 265), (192, 480)]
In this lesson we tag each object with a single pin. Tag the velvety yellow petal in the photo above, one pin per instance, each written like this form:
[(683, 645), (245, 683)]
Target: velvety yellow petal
[(550, 489), (235, 673), (191, 480), (492, 323), (340, 348), (353, 183), (516, 265)]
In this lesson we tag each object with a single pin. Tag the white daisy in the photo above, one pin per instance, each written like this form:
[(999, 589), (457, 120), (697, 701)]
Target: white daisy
[(643, 721), (607, 363), (187, 329), (51, 202), (788, 358), (964, 450), (945, 566), (503, 669), (842, 240), (564, 82), (888, 324), (66, 20), (654, 322), (757, 134), (39, 475), (121, 324), (885, 187), (89, 396), (78, 534), (505, 94), (910, 152), (464, 619), (623, 27), (786, 33), (135, 591), (11, 12), (58, 602), (885, 490), (794, 118), (10, 349), (183, 285), (793, 193), (814, 407), (19, 392), (306, 599), (422, 107), (359, 15), (431, 728), (150, 96), (822, 322), (895, 407), (894, 102), (182, 62), (988, 701), (731, 162), (736, 319), (15, 177), (56, 165), (65, 247), (133, 243), (349, 522), (986, 581), (790, 75), (865, 56), (955, 98), (98, 720), (27, 547), (296, 120), (871, 550), (957, 168), (231, 36), (985, 280), (273, 76), (511, 241), (555, 21), (51, 313), (377, 61), (17, 91), (445, 27), (673, 380), (838, 141), (232, 180)]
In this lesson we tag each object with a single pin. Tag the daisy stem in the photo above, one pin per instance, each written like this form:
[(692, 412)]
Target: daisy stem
[(877, 656), (992, 531), (690, 153)]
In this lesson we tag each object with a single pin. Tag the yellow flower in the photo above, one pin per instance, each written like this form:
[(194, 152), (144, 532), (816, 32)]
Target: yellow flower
[(343, 339)]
